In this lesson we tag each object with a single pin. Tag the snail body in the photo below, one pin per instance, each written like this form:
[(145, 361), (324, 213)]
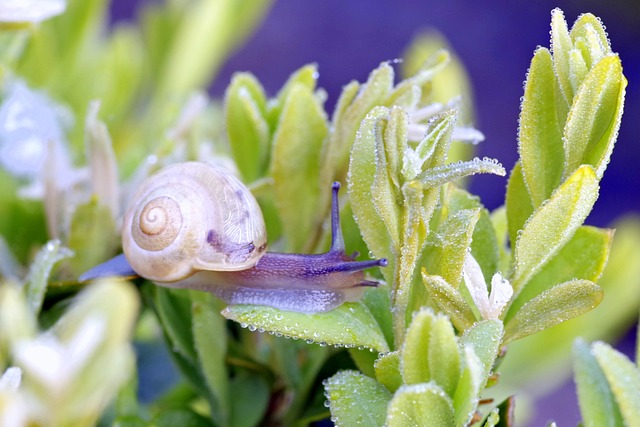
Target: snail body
[(195, 226)]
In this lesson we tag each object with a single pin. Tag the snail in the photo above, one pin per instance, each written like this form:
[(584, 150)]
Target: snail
[(194, 225)]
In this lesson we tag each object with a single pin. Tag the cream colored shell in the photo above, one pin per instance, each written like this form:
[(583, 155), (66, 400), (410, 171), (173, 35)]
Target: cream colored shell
[(189, 217)]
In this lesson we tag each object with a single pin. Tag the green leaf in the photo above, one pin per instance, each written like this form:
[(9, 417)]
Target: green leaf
[(306, 76), (440, 175), (205, 35), (420, 405), (18, 210), (295, 165), (210, 341), (484, 337), (422, 78), (93, 236), (624, 379), (387, 370), (465, 400), (450, 301), (553, 224), (356, 103), (254, 393), (247, 128), (540, 135), (432, 150), (416, 348), (356, 399), (378, 302), (351, 324), (180, 417), (444, 360), (52, 253), (391, 142), (583, 257), (361, 179), (174, 311), (447, 247), (562, 46), (594, 118), (484, 245), (364, 360), (597, 403), (562, 302), (492, 419), (589, 30), (518, 203), (498, 220), (551, 348)]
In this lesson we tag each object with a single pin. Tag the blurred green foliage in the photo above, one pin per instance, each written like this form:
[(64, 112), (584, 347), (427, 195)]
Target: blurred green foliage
[(89, 111)]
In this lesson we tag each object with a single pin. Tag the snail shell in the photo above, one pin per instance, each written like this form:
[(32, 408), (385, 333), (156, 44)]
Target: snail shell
[(190, 217)]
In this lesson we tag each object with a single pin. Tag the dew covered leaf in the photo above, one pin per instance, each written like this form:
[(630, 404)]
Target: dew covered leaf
[(588, 29), (296, 182), (440, 175), (562, 46), (583, 257), (450, 301), (355, 104), (465, 400), (542, 118), (597, 403), (351, 324), (415, 352), (553, 224), (484, 243), (432, 150), (562, 302), (390, 142), (623, 377), (387, 370), (356, 399), (484, 337), (594, 119), (448, 245), (361, 180), (420, 405), (444, 359), (518, 203)]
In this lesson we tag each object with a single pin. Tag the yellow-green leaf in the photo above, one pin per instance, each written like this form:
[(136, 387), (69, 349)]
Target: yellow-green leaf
[(350, 325), (540, 134), (594, 119), (553, 224), (295, 165), (450, 301), (420, 405), (562, 302), (356, 399), (597, 403)]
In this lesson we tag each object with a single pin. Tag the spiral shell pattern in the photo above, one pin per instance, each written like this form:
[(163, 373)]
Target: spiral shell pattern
[(191, 217)]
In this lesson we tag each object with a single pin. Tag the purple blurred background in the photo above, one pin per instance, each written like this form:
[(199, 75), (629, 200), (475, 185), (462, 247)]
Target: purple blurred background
[(495, 39)]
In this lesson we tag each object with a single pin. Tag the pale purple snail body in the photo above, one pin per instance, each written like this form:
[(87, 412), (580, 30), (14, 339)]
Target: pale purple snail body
[(196, 226)]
